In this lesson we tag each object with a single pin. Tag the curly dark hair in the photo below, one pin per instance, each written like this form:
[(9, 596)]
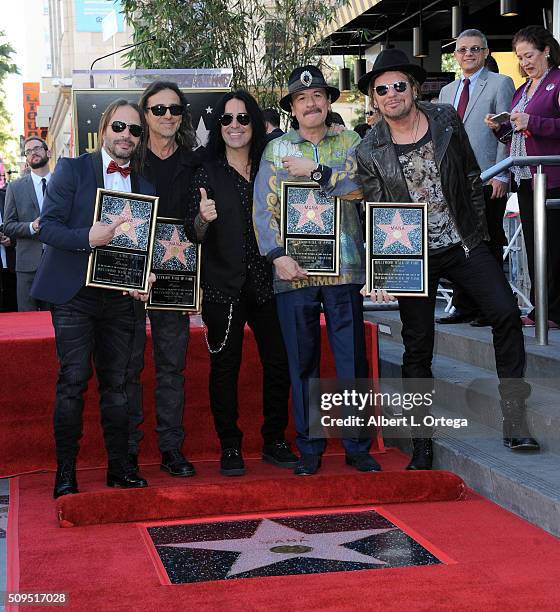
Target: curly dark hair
[(216, 145), (185, 136), (540, 38)]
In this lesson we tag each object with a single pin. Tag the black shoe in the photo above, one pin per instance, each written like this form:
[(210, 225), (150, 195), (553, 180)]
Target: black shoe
[(123, 474), (480, 322), (515, 429), (231, 462), (308, 465), (279, 453), (175, 463), (133, 460), (363, 462), (65, 481), (456, 317), (422, 454)]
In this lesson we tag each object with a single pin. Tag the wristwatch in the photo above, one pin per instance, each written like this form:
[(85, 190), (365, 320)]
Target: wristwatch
[(317, 174)]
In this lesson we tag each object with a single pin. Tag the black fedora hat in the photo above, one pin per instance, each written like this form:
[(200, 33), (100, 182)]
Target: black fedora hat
[(306, 77), (394, 60)]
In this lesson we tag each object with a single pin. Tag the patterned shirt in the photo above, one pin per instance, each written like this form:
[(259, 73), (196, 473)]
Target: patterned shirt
[(424, 185), (336, 151), (259, 273)]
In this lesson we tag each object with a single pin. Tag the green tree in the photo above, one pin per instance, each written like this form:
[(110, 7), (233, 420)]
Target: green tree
[(261, 41), (6, 67)]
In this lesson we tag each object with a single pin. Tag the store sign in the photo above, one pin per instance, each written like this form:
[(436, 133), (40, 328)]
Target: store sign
[(31, 99), (89, 14)]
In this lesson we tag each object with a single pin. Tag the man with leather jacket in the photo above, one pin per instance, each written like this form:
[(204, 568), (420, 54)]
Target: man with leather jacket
[(419, 152)]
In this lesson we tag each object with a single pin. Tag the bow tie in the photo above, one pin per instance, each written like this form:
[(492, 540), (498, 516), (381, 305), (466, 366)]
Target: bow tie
[(113, 167)]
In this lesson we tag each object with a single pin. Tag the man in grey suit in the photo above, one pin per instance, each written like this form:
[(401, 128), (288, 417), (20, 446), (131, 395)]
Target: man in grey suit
[(477, 93), (24, 200)]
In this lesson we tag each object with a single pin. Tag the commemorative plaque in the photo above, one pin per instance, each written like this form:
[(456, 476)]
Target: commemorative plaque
[(176, 264), (397, 248), (310, 227), (124, 263)]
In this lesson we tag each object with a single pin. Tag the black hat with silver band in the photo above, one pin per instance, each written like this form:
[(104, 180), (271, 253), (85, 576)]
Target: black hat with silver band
[(307, 77)]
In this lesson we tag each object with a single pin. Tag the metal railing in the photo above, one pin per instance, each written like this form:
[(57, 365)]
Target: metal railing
[(539, 211)]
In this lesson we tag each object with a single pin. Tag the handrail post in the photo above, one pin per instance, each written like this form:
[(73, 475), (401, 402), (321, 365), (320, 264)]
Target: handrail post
[(541, 280)]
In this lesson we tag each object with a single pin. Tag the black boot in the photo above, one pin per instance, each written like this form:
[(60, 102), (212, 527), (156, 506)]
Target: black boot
[(65, 481), (422, 454), (121, 473), (515, 429)]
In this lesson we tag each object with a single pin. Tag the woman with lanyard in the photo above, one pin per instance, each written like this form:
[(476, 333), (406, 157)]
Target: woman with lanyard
[(534, 129)]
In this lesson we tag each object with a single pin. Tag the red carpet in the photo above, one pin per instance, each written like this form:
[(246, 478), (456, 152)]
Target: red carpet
[(29, 370), (500, 562), (269, 489)]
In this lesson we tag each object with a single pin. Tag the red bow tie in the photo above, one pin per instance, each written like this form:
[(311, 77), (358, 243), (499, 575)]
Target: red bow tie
[(113, 167)]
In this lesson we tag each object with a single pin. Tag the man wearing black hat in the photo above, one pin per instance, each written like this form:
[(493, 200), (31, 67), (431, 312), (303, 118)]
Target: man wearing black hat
[(313, 151), (420, 152)]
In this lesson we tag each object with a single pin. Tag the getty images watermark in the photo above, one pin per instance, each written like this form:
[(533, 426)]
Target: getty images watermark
[(352, 408)]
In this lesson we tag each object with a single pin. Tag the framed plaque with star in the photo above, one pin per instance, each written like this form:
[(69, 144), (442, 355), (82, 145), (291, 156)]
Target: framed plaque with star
[(125, 263), (397, 248), (176, 264), (310, 226)]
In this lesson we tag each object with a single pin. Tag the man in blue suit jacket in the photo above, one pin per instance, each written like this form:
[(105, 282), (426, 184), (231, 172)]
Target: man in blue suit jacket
[(89, 321)]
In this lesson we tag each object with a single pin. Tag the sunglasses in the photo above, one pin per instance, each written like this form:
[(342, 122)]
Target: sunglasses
[(159, 110), (371, 113), (399, 86), (473, 50), (134, 129), (242, 118)]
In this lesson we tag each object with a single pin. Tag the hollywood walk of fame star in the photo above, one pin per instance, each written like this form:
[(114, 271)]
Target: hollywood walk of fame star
[(174, 247), (311, 211), (128, 228), (397, 231), (208, 110), (272, 543)]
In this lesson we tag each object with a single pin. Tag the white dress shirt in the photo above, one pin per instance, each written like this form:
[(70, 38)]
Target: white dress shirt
[(115, 181), (38, 186)]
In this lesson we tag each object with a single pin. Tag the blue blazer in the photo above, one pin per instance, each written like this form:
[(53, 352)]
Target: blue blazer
[(66, 219)]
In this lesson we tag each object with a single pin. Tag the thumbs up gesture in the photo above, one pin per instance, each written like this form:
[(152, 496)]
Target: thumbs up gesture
[(207, 207)]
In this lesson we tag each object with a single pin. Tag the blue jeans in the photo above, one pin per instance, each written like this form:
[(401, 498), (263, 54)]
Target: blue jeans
[(96, 323), (299, 312)]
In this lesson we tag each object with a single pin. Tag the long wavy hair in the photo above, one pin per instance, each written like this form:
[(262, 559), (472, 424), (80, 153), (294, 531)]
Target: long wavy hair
[(216, 145), (185, 136)]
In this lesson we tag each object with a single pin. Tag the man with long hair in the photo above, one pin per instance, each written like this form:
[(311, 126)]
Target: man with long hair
[(89, 322), (313, 151), (420, 152), (237, 281), (167, 160)]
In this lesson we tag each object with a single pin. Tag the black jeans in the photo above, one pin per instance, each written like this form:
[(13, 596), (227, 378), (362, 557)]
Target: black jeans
[(170, 337), (525, 199), (98, 323), (225, 365), (481, 277), (495, 209)]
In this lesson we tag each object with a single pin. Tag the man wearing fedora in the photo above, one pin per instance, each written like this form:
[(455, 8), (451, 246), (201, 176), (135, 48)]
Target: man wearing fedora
[(420, 152), (313, 151)]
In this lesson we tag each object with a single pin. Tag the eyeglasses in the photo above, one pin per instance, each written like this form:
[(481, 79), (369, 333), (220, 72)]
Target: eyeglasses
[(399, 86), (371, 113), (159, 110), (34, 150), (473, 50), (134, 129), (242, 118)]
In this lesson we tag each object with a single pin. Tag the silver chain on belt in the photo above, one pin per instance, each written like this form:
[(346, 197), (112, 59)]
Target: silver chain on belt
[(224, 341)]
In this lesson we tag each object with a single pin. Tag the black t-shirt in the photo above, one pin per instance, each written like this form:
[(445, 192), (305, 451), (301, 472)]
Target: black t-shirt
[(163, 171)]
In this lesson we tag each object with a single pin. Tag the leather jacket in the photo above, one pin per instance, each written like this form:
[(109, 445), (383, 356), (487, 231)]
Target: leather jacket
[(383, 179)]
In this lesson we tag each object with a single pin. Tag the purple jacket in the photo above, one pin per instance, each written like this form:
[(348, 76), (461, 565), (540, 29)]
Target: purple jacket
[(544, 123)]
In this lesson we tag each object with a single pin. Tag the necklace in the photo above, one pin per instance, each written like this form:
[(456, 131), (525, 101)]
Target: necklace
[(413, 135), (244, 169)]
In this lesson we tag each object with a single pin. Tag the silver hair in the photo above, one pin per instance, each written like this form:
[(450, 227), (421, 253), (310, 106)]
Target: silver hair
[(473, 32)]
